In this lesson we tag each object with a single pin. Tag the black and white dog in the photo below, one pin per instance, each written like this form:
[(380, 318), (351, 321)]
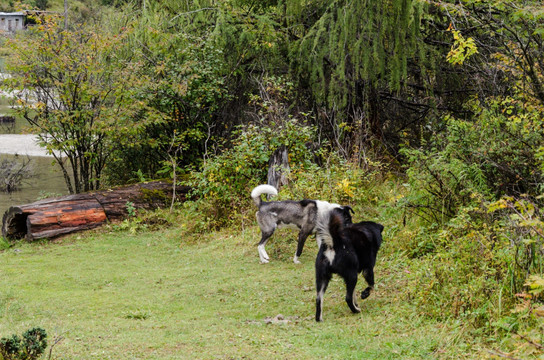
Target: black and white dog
[(310, 216), (351, 249)]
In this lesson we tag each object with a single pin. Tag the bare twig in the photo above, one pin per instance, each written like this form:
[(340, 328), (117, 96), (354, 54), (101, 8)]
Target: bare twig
[(537, 345), (501, 354), (56, 340)]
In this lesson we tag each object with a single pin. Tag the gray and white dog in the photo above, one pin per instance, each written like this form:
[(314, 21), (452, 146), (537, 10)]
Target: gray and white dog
[(309, 216)]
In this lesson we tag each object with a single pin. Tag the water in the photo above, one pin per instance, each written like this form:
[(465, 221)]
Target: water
[(47, 179)]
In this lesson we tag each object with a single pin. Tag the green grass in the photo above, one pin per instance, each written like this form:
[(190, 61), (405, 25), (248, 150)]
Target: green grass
[(170, 294)]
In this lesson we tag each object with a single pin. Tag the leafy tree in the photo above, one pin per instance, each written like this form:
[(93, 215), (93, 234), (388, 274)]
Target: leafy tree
[(181, 79), (226, 179), (508, 35), (76, 97)]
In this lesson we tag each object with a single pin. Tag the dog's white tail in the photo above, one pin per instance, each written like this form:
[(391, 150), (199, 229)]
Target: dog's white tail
[(262, 189)]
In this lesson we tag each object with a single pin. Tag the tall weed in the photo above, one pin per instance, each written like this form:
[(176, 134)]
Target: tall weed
[(484, 260), (477, 231)]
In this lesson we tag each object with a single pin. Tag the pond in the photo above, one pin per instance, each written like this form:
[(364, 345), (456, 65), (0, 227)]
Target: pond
[(46, 178)]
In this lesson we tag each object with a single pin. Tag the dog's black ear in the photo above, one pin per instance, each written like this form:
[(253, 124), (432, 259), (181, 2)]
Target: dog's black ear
[(347, 210)]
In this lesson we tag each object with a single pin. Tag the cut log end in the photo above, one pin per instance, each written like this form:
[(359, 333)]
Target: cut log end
[(14, 223)]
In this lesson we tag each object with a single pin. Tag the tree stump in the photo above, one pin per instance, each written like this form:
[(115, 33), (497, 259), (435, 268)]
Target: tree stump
[(278, 167), (62, 215)]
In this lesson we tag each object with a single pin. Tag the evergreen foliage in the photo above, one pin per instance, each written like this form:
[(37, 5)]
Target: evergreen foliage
[(359, 42), (353, 51)]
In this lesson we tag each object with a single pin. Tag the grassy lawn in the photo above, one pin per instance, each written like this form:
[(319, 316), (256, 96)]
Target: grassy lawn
[(171, 295)]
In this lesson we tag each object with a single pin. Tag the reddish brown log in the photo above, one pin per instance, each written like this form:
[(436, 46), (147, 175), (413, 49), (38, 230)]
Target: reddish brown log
[(62, 215)]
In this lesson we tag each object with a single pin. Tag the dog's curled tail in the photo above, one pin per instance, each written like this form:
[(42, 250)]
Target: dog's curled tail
[(336, 225), (262, 189)]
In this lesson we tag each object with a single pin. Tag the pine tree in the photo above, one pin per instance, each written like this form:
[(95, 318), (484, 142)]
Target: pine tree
[(353, 49)]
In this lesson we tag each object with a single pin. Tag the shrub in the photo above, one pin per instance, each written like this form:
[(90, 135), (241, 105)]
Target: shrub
[(485, 259), (493, 155), (226, 180), (30, 347), (13, 172), (337, 181)]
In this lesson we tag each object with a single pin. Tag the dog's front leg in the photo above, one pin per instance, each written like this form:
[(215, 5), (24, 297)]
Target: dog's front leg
[(302, 236), (322, 278)]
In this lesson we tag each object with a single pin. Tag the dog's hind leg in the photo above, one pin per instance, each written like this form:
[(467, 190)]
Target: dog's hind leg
[(351, 283), (267, 223), (368, 274), (262, 252)]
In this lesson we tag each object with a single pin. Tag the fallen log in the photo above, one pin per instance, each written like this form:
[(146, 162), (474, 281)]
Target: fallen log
[(62, 215)]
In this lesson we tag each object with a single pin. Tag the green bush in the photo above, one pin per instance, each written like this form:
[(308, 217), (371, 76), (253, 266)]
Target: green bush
[(495, 154), (338, 181), (483, 261), (30, 347), (226, 180), (475, 189)]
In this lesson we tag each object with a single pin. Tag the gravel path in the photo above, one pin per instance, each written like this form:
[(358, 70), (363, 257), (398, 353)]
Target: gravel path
[(21, 144)]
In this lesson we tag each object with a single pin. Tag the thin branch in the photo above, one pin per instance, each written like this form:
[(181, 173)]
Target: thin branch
[(502, 355), (191, 12)]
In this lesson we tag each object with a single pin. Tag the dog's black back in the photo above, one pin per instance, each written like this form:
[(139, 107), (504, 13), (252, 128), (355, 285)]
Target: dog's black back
[(366, 239), (354, 250)]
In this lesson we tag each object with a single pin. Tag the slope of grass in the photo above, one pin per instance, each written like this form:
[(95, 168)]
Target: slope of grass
[(168, 294)]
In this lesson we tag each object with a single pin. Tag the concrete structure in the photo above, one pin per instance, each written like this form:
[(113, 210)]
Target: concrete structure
[(11, 22)]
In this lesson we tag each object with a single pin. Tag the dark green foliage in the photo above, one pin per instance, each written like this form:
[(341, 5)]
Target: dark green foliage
[(10, 347), (361, 41), (493, 155), (30, 347), (41, 4), (182, 89), (34, 343), (354, 52)]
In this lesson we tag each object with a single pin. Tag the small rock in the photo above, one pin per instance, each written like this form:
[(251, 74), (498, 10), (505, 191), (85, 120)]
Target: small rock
[(278, 319)]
